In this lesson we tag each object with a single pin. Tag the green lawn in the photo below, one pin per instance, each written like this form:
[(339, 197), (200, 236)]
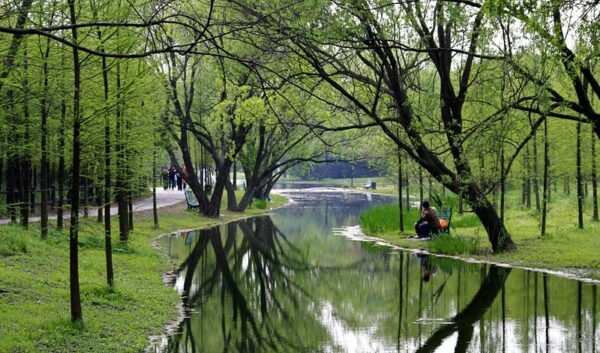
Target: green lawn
[(34, 285)]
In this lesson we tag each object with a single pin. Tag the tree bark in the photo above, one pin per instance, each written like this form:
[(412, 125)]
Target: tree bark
[(25, 154), (594, 178), (44, 177), (546, 185), (579, 179), (400, 211), (121, 184), (61, 165), (76, 313), (536, 177), (107, 178)]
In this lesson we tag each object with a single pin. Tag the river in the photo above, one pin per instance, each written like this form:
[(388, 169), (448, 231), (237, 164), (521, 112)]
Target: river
[(292, 282)]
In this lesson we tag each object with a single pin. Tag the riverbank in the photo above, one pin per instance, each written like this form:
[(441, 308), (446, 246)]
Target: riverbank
[(34, 285), (564, 248)]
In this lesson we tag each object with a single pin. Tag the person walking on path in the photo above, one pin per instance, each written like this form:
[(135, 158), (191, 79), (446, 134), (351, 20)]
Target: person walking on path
[(172, 177)]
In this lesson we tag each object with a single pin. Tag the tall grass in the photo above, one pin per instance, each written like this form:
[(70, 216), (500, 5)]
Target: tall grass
[(454, 245), (385, 220), (13, 241)]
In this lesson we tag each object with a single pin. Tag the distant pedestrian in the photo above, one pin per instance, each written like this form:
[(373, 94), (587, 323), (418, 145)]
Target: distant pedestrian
[(172, 177), (164, 172), (179, 182)]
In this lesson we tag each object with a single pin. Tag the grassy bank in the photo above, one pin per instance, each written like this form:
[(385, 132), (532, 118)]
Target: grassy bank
[(565, 247), (34, 285)]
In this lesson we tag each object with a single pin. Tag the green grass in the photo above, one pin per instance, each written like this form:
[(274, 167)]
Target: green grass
[(458, 245), (385, 219), (34, 285), (565, 247)]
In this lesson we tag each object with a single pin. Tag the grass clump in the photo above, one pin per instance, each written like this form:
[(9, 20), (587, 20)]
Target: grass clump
[(261, 204), (384, 219), (12, 243), (458, 245)]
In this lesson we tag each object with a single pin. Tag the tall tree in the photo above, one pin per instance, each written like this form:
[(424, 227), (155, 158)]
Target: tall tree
[(76, 313)]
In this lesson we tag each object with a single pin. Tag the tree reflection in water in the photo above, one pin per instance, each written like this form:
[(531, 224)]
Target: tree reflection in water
[(247, 287), (247, 273), (463, 322)]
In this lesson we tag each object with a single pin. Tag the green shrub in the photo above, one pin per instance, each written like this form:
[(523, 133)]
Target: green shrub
[(385, 219), (454, 245)]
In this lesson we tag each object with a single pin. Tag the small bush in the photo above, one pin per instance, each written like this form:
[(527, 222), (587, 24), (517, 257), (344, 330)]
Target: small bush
[(454, 245)]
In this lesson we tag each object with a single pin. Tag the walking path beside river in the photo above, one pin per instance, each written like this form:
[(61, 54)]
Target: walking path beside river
[(164, 198)]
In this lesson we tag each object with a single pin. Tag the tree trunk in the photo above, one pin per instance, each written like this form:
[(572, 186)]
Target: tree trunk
[(546, 185), (154, 208), (107, 179), (25, 154), (502, 185), (86, 197), (594, 178), (420, 185), (231, 199), (407, 180), (497, 234), (400, 211), (130, 209), (61, 165), (528, 196), (579, 179), (536, 178), (76, 313), (121, 185), (44, 146)]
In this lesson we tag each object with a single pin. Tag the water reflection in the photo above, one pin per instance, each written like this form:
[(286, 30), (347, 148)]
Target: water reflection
[(286, 283)]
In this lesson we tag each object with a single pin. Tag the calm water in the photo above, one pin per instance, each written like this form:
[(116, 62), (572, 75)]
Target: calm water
[(290, 282)]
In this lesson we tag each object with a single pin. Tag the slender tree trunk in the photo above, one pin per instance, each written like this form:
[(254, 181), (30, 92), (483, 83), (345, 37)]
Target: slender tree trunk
[(536, 177), (420, 185), (594, 178), (407, 179), (107, 178), (430, 187), (528, 159), (546, 185), (400, 211), (61, 165), (121, 187), (234, 174), (25, 177), (44, 145), (76, 313), (86, 196), (579, 179), (130, 209), (502, 185), (154, 208)]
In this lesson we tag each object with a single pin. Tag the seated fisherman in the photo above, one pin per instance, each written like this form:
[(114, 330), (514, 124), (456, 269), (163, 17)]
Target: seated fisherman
[(429, 221)]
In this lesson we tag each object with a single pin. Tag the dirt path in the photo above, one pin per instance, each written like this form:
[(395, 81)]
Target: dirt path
[(164, 198)]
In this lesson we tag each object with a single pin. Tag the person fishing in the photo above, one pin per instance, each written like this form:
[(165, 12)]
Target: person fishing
[(429, 223)]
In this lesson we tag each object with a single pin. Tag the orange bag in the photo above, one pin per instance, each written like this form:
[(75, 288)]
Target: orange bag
[(443, 223)]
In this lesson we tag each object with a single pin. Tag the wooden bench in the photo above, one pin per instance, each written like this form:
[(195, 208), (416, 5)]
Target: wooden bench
[(446, 214), (190, 198)]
